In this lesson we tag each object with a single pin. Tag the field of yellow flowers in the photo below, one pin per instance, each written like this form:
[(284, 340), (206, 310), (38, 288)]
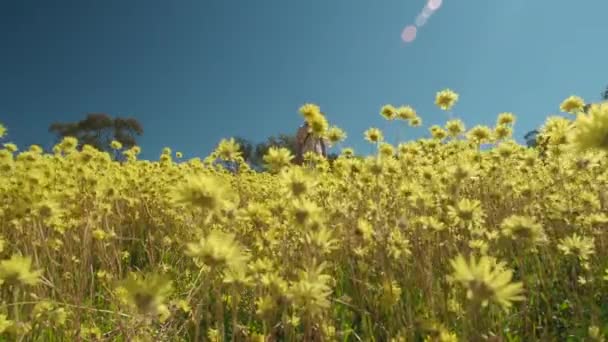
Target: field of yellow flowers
[(428, 240)]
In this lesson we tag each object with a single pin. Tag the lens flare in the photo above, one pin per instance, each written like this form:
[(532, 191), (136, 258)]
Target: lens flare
[(434, 5), (409, 34), (427, 11), (420, 20)]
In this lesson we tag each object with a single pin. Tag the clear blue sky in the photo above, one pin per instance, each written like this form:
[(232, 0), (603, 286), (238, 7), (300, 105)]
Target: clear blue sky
[(194, 71)]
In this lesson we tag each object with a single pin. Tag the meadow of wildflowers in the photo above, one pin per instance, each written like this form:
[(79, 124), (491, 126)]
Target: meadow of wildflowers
[(428, 240)]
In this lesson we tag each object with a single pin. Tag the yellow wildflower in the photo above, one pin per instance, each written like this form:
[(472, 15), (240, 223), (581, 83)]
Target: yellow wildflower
[(485, 281), (572, 105), (446, 99)]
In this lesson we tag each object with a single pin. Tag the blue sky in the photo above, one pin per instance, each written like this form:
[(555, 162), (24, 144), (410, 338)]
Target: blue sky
[(195, 71)]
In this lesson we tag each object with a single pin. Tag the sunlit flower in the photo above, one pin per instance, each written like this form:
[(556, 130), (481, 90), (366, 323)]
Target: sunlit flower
[(68, 144), (311, 292), (147, 292), (555, 130), (309, 111), (391, 293), (18, 271), (135, 149), (505, 118), (298, 181), (479, 134), (591, 130), (219, 250), (455, 127), (374, 135), (415, 122), (437, 132), (5, 323), (506, 149), (595, 334), (335, 135), (486, 281), (579, 246), (228, 149), (11, 147), (446, 99), (203, 191), (406, 113), (116, 145), (502, 132), (348, 152), (572, 105), (306, 213), (277, 158), (466, 212), (319, 125), (386, 150), (522, 229), (389, 112)]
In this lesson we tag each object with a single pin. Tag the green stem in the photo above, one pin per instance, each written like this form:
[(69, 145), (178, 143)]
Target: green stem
[(235, 300), (16, 308)]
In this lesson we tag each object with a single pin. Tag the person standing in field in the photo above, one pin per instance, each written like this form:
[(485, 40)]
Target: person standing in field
[(306, 141)]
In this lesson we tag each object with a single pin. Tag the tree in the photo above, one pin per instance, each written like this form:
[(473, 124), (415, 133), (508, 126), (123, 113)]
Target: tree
[(605, 94), (531, 138), (282, 140), (247, 149), (99, 129)]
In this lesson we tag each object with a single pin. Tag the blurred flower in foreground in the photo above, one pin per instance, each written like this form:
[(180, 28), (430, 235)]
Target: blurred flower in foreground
[(18, 271), (206, 192), (219, 249), (312, 290), (522, 229), (277, 158), (591, 130), (228, 149), (486, 281), (5, 323), (147, 292), (579, 246)]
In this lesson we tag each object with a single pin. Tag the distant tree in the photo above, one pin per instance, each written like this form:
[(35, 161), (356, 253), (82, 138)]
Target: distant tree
[(247, 149), (531, 138), (254, 153), (281, 141), (99, 129), (605, 94)]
